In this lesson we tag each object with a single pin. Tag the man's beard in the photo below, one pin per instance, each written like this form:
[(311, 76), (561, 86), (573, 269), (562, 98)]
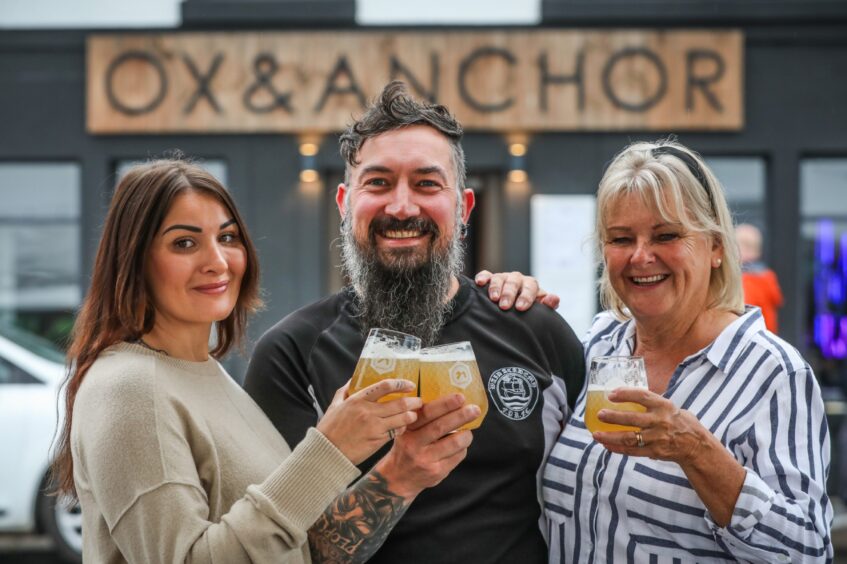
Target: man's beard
[(406, 292)]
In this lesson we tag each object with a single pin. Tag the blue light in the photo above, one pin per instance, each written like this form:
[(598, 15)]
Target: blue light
[(830, 291), (835, 289), (844, 256), (826, 243)]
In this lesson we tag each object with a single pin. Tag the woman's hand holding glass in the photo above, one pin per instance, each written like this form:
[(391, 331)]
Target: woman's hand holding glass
[(606, 374), (627, 418), (359, 425), (666, 431)]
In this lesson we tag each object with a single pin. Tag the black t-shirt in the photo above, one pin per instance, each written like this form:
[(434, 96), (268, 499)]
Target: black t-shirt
[(488, 509)]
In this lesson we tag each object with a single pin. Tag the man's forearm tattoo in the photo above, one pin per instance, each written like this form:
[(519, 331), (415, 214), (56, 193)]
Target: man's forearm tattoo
[(357, 523)]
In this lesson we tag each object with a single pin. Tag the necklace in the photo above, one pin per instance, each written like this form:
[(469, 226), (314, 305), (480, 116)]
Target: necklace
[(141, 342)]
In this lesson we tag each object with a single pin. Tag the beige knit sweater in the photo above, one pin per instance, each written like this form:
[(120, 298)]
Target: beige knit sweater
[(173, 462)]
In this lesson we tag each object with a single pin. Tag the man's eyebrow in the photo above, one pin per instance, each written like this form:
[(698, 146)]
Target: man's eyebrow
[(374, 168), (191, 228), (432, 170)]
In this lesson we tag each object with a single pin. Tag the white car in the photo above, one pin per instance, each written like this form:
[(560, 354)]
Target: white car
[(31, 372)]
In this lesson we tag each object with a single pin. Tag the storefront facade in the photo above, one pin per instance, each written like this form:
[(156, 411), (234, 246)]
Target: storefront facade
[(258, 96)]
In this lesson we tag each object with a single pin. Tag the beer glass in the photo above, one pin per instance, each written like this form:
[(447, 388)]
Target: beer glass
[(452, 368), (387, 354), (605, 374)]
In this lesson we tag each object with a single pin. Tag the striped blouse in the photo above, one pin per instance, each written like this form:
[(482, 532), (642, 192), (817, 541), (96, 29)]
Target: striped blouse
[(760, 398)]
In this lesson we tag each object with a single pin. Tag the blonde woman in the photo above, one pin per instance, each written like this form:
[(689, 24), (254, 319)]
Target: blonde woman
[(731, 457)]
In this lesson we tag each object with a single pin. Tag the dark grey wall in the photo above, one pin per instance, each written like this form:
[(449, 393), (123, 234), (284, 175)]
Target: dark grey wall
[(795, 90), (279, 14)]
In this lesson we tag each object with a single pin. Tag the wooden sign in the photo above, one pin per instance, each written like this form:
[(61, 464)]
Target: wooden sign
[(545, 80)]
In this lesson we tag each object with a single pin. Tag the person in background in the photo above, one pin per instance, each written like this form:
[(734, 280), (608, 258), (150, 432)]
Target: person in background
[(170, 459), (404, 208), (761, 287), (729, 458)]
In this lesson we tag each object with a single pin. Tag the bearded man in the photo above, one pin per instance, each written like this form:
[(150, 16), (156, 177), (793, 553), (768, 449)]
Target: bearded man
[(404, 209)]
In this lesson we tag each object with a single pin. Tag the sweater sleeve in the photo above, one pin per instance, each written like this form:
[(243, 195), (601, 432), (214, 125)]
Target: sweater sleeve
[(169, 523), (139, 453)]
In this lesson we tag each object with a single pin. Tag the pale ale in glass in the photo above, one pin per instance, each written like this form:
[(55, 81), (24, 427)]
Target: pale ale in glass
[(605, 374), (387, 354), (596, 401), (449, 369)]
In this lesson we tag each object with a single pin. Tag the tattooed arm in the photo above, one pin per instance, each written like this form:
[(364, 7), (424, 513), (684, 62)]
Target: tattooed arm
[(358, 522)]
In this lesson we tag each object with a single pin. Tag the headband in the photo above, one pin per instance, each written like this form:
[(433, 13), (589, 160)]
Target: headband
[(693, 167)]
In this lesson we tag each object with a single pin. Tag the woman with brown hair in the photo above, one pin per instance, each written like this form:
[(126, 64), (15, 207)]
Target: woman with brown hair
[(169, 458)]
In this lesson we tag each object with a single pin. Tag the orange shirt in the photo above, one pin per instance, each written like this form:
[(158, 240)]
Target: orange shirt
[(762, 289)]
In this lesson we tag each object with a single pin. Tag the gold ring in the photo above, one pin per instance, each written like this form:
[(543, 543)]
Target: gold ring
[(639, 438), (391, 434)]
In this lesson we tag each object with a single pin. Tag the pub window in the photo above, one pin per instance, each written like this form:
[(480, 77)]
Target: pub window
[(40, 247), (823, 205), (743, 179)]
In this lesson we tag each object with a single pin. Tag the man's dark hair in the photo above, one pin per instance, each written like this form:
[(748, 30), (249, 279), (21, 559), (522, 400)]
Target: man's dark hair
[(393, 109)]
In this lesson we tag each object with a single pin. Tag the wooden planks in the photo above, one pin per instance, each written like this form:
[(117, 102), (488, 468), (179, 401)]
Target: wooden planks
[(500, 80)]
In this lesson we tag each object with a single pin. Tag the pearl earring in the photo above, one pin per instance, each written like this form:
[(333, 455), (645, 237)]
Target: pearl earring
[(718, 262)]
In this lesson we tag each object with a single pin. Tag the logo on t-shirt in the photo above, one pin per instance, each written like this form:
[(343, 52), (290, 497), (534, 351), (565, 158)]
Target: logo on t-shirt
[(514, 391)]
